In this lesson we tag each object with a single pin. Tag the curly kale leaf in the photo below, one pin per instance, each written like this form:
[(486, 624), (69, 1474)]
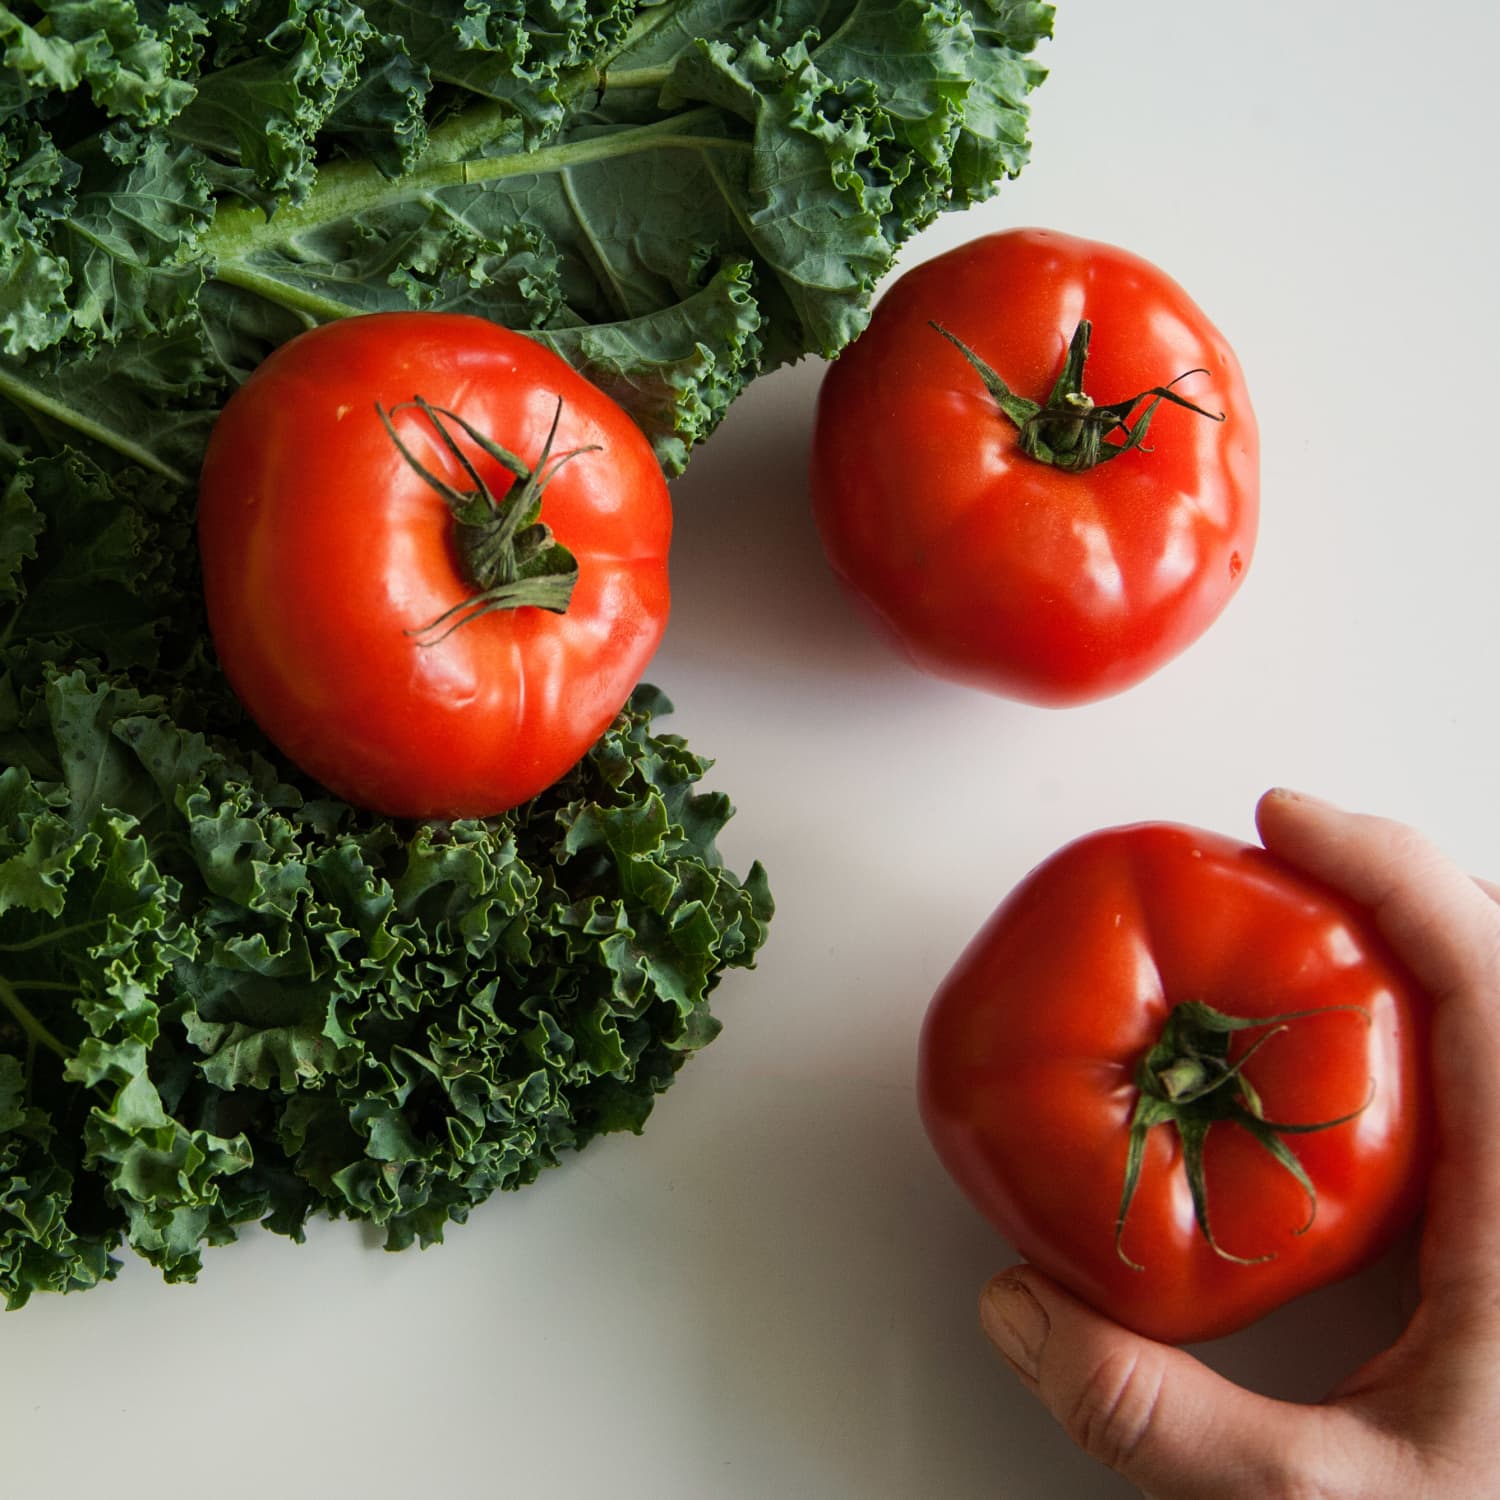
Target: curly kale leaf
[(676, 196), (226, 997), (259, 1006)]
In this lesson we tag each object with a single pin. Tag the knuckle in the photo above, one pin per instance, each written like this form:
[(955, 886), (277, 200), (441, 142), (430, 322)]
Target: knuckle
[(1115, 1409)]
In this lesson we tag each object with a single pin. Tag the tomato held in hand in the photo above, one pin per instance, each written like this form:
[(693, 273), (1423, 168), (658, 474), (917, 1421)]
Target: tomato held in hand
[(1023, 504), (434, 560), (1182, 1079)]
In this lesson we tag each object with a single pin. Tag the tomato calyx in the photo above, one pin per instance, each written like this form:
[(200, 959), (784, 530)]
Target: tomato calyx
[(505, 550), (1187, 1080), (1069, 431)]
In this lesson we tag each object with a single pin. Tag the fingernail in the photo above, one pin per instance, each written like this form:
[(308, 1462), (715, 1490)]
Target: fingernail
[(1015, 1323), (1287, 794)]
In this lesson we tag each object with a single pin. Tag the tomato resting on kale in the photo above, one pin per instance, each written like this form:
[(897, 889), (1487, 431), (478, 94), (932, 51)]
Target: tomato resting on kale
[(434, 560), (1182, 1079), (1038, 467)]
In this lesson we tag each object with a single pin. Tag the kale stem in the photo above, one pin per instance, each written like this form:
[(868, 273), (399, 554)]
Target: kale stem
[(16, 389), (347, 188), (33, 1028), (636, 78), (11, 621), (308, 305), (52, 935)]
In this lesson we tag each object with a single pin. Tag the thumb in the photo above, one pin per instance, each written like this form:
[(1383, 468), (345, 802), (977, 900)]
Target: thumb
[(1152, 1413)]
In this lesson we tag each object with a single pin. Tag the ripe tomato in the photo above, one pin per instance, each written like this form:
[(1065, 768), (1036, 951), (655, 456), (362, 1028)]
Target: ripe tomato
[(1038, 577), (434, 609), (1079, 1026)]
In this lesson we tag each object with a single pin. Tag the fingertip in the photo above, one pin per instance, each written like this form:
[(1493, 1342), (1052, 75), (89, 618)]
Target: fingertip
[(1015, 1322), (1019, 1272), (1286, 797), (1286, 794), (1283, 810), (1138, 1406)]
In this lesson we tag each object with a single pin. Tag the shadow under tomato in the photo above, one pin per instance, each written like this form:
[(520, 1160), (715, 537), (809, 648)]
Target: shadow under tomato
[(751, 589)]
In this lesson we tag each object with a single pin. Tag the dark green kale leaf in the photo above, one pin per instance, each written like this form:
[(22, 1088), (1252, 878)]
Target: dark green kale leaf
[(225, 997), (676, 196)]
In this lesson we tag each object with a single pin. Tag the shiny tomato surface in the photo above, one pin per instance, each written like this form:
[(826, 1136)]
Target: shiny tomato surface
[(995, 568), (328, 557), (1030, 1075)]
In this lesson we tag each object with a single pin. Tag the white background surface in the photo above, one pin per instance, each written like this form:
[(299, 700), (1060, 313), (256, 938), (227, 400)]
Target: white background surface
[(772, 1292)]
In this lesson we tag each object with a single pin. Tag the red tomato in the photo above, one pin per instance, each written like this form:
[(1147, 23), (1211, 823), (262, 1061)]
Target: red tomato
[(1035, 578), (376, 638), (1042, 1067)]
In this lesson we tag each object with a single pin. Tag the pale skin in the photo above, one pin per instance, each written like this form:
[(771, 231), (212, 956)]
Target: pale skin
[(1420, 1421)]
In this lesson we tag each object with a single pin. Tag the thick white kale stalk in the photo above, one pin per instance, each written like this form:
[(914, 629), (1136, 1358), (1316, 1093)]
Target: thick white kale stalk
[(675, 195), (225, 997)]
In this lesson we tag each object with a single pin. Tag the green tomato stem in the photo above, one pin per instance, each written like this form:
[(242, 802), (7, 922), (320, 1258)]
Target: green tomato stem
[(1068, 430), (507, 553), (1186, 1080)]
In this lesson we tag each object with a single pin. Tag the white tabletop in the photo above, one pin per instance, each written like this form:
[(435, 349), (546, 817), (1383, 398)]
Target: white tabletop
[(771, 1293)]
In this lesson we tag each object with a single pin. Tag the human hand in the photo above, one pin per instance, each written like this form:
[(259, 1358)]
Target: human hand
[(1420, 1420)]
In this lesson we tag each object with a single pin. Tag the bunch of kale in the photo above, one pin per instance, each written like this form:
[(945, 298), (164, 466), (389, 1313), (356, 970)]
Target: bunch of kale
[(674, 195), (225, 996)]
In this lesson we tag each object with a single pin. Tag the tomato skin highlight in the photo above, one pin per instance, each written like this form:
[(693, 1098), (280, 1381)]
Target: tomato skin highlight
[(1028, 1065), (326, 555), (991, 568)]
